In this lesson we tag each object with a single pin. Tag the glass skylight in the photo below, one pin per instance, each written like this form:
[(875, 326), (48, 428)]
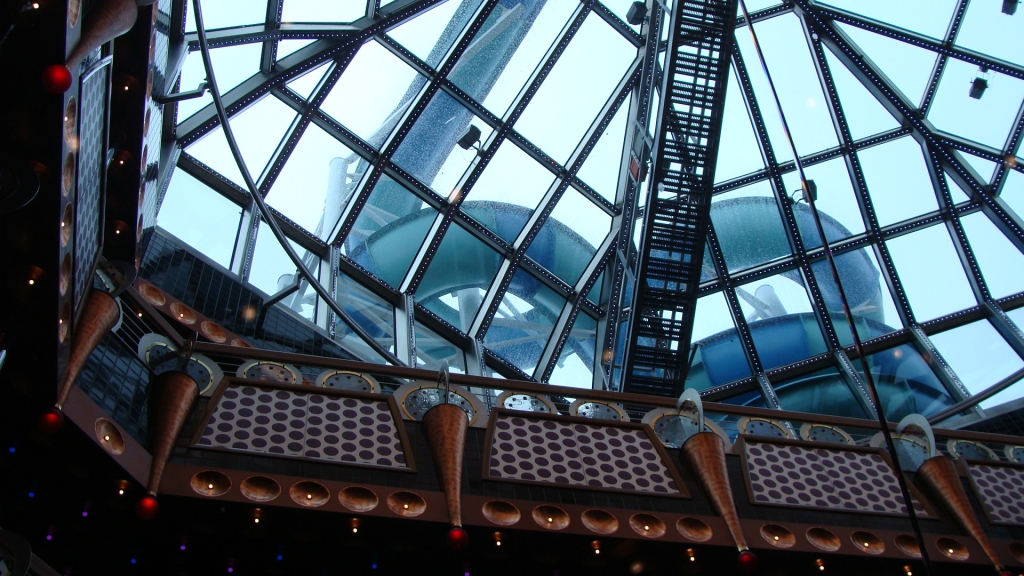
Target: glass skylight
[(359, 156)]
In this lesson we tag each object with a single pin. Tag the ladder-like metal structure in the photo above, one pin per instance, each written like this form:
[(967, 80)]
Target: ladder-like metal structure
[(679, 199)]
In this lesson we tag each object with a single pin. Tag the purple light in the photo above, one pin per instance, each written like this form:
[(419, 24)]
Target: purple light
[(182, 547), (85, 514), (230, 569), (49, 537)]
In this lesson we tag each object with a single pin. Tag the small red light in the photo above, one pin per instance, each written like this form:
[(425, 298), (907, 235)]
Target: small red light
[(747, 562), (56, 79), (147, 508), (51, 421), (457, 539)]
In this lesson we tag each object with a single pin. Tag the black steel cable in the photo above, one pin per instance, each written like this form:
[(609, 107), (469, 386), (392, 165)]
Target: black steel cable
[(868, 377)]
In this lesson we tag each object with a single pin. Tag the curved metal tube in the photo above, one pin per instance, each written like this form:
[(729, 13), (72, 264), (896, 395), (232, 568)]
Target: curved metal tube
[(261, 205)]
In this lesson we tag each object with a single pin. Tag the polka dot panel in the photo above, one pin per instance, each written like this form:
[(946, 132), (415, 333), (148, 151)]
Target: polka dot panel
[(814, 477), (1001, 490), (309, 425), (585, 455)]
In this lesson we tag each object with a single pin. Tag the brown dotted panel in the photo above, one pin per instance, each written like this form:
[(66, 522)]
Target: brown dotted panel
[(830, 478), (305, 424), (574, 454), (1001, 490)]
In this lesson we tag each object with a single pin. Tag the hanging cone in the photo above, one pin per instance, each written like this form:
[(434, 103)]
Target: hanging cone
[(940, 474), (106, 21), (171, 396), (705, 452), (100, 315), (445, 425)]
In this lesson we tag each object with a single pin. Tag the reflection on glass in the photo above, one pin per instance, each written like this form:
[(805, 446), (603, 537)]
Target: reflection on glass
[(783, 327), (897, 180), (571, 96), (1000, 261), (978, 354), (371, 312), (272, 270), (508, 191), (568, 240), (749, 227), (431, 34), (786, 54), (458, 276), (930, 271), (508, 48), (987, 120), (906, 385), (907, 66), (389, 231), (439, 128), (431, 349), (822, 392), (524, 320), (316, 181), (576, 363), (373, 93), (210, 231)]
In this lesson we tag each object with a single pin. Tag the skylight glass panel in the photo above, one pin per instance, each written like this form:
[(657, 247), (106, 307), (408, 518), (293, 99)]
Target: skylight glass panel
[(458, 277), (897, 180), (907, 66), (978, 354), (836, 203), (373, 93), (367, 309), (987, 30), (866, 291), (865, 116), (232, 65), (571, 96), (905, 383), (518, 34), (1001, 263), (505, 195), (431, 34), (781, 321), (601, 168), (430, 151), (987, 120), (569, 239), (389, 231), (792, 68), (259, 129), (213, 150), (370, 312), (749, 227), (955, 191), (288, 47), (227, 13), (738, 152), (272, 270), (985, 168), (823, 392), (928, 17), (932, 277), (718, 356), (210, 231), (575, 366), (432, 349), (305, 84), (317, 11), (523, 323), (192, 75), (316, 182)]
